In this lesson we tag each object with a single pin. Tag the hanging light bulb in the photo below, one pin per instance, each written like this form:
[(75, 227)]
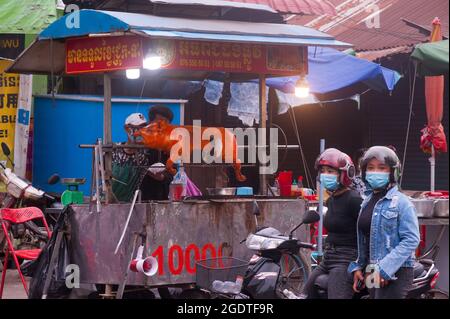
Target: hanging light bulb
[(302, 88), (133, 74), (152, 62)]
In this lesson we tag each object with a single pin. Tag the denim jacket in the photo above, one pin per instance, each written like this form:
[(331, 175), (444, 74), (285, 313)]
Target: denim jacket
[(394, 235)]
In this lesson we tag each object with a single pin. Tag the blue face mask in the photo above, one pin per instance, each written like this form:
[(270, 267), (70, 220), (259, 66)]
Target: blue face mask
[(329, 181), (377, 180)]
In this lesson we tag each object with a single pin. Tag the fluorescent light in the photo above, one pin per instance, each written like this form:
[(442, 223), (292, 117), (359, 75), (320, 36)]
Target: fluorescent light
[(133, 74), (302, 88), (152, 62)]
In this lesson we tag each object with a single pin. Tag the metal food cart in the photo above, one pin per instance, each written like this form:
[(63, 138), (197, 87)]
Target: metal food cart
[(176, 234)]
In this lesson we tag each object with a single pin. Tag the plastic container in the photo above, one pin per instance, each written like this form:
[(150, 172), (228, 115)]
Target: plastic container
[(177, 189), (223, 275), (285, 190), (285, 178), (177, 192), (244, 191)]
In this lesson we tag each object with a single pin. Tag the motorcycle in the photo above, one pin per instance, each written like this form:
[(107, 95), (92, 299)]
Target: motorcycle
[(21, 193), (278, 269), (425, 272)]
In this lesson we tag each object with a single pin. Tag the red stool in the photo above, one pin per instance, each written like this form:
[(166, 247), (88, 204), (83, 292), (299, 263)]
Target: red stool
[(19, 216)]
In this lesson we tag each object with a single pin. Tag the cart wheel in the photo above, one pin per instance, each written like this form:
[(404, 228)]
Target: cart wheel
[(294, 273)]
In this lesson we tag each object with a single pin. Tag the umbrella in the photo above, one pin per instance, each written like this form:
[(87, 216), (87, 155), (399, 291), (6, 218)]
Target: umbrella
[(432, 58), (433, 137)]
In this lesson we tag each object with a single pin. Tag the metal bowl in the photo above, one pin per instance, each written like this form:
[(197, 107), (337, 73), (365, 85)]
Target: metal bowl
[(229, 191), (441, 208), (424, 207)]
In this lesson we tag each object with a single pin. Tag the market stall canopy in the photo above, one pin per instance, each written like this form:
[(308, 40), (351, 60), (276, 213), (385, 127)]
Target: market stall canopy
[(331, 71), (432, 58), (47, 53)]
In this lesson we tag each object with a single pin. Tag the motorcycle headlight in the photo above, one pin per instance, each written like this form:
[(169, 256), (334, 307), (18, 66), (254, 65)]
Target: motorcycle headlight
[(256, 242)]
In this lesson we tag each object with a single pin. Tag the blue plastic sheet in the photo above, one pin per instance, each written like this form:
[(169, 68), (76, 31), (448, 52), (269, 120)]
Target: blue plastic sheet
[(331, 70)]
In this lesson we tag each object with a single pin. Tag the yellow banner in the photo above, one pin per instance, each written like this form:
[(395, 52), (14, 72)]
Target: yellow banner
[(9, 96)]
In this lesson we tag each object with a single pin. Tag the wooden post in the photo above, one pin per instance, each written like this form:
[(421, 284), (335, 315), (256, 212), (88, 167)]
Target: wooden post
[(107, 133), (263, 125)]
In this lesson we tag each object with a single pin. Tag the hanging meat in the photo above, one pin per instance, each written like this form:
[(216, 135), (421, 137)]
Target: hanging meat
[(157, 135)]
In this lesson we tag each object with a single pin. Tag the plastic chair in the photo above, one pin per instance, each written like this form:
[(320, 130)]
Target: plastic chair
[(10, 216)]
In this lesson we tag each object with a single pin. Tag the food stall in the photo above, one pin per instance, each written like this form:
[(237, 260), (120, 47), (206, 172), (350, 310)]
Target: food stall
[(119, 45)]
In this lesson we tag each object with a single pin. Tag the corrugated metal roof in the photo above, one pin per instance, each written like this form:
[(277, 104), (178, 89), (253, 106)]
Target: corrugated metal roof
[(200, 9), (217, 3), (378, 54), (308, 7), (396, 28), (26, 16)]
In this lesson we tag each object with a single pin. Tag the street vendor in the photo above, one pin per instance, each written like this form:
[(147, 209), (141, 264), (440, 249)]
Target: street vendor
[(129, 164), (155, 185)]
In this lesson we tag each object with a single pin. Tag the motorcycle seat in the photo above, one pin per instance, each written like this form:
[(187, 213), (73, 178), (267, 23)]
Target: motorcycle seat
[(419, 270)]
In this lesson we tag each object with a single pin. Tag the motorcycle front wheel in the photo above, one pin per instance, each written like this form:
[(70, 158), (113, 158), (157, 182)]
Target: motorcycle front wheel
[(294, 273)]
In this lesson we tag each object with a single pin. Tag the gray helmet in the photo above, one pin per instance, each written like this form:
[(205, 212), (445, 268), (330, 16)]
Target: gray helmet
[(385, 155)]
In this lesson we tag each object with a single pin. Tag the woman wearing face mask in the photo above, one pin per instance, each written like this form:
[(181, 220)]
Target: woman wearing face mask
[(336, 171), (388, 231)]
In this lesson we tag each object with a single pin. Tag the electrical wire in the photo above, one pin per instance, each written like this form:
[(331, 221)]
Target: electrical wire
[(140, 96), (309, 180), (411, 103)]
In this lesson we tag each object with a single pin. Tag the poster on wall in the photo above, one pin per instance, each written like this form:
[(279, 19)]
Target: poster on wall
[(9, 97)]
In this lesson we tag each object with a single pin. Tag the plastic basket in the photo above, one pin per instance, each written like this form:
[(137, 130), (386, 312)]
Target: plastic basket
[(223, 269)]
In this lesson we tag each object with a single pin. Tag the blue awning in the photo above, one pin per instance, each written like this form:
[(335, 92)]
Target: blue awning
[(331, 70)]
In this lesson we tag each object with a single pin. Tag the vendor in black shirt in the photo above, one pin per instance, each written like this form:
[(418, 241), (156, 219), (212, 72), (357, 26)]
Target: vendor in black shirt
[(156, 186), (336, 171)]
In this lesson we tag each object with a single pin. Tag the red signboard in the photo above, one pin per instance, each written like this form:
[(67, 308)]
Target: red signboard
[(127, 52), (97, 54), (230, 57)]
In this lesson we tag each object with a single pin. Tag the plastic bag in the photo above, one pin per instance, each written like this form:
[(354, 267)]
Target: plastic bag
[(39, 267)]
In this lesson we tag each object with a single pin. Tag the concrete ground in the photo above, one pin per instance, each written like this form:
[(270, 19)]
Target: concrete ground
[(13, 286)]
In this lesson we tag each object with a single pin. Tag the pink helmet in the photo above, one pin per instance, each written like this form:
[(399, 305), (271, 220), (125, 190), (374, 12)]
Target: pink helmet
[(340, 161)]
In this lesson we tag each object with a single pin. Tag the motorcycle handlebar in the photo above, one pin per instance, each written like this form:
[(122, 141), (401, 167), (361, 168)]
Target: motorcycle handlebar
[(49, 197)]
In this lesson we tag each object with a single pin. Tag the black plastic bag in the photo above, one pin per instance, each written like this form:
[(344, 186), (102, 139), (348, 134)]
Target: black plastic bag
[(39, 268)]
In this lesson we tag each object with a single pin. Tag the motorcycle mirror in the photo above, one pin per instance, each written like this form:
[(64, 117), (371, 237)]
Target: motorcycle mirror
[(52, 180), (311, 217), (5, 149)]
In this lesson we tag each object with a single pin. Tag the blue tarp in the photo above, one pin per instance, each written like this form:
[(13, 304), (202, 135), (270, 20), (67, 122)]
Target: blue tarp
[(331, 70)]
